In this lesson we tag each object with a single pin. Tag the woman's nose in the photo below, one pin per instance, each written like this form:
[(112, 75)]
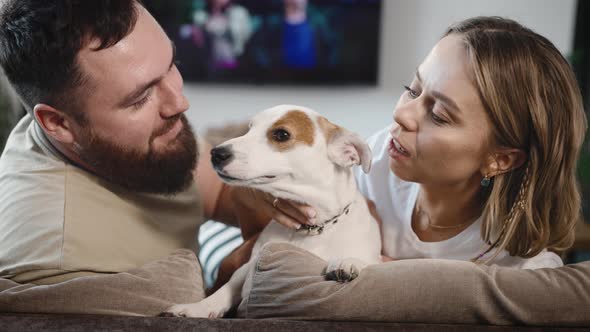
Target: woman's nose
[(406, 115)]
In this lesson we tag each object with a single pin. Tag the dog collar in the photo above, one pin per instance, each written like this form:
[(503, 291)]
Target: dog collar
[(319, 228)]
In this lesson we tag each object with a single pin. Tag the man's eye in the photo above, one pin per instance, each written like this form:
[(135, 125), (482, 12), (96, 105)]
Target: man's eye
[(413, 93), (281, 135), (141, 102)]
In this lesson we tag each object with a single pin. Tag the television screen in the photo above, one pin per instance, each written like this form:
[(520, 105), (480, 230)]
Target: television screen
[(273, 41)]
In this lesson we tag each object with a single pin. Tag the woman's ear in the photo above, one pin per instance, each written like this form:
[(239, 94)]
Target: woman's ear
[(503, 160), (54, 123)]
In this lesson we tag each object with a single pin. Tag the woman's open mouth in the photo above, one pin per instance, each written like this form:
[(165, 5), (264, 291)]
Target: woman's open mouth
[(396, 149)]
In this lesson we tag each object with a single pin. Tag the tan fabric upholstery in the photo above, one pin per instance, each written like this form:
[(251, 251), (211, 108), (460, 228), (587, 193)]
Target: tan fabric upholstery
[(145, 291), (288, 284)]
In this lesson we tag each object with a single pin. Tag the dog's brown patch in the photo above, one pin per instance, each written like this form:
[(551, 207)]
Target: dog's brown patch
[(298, 125), (328, 128)]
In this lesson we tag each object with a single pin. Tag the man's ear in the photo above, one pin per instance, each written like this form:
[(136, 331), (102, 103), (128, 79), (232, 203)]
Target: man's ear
[(503, 160), (54, 122), (346, 148)]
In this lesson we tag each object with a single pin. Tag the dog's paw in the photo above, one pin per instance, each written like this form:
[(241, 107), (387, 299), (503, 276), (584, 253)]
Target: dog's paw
[(197, 310), (344, 270)]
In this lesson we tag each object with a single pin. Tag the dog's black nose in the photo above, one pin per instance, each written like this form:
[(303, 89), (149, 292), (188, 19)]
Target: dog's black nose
[(221, 156)]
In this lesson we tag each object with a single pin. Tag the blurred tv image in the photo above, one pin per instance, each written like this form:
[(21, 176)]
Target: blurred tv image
[(273, 41)]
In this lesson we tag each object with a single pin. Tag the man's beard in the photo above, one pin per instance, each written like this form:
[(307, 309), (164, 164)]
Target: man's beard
[(157, 172)]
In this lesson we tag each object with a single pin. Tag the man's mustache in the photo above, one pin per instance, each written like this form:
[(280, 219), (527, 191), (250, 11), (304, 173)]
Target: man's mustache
[(167, 126)]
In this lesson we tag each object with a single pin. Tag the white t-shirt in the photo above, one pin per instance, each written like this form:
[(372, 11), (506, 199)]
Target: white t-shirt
[(395, 200)]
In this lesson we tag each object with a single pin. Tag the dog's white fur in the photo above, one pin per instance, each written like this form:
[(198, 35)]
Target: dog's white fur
[(319, 175)]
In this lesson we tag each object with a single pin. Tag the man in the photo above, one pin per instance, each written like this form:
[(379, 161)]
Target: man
[(101, 176)]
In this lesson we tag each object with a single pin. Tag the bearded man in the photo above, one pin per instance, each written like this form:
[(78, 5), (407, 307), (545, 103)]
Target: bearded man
[(103, 174)]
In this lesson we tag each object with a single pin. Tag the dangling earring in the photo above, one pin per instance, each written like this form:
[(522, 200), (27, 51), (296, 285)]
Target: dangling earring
[(485, 182)]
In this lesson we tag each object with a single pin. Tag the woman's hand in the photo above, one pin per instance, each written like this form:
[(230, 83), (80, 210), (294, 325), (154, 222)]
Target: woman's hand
[(258, 208)]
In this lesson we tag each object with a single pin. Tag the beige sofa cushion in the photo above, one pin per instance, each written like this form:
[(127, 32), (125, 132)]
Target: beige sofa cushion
[(145, 291), (288, 284)]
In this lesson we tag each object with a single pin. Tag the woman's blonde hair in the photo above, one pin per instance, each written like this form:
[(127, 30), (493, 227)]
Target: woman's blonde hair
[(534, 103)]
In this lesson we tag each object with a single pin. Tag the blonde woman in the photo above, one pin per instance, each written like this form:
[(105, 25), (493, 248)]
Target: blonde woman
[(479, 163)]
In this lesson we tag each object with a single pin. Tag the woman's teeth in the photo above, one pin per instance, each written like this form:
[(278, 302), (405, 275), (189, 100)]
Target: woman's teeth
[(399, 147)]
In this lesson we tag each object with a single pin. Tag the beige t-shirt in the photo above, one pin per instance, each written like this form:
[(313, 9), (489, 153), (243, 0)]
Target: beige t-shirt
[(58, 221)]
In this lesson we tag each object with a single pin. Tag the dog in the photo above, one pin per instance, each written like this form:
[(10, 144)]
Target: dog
[(295, 154)]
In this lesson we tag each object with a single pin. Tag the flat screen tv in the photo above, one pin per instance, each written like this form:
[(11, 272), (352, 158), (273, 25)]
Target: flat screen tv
[(334, 42)]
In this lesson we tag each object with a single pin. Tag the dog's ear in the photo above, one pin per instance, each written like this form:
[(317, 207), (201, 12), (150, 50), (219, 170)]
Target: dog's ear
[(346, 148)]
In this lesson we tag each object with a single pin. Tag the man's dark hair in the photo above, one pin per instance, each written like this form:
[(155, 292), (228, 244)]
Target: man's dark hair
[(40, 40)]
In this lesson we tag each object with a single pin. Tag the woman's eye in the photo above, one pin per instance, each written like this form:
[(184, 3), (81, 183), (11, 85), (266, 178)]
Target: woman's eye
[(281, 135), (413, 93), (437, 118)]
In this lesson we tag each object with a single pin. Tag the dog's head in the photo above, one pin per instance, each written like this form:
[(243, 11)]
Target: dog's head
[(288, 150)]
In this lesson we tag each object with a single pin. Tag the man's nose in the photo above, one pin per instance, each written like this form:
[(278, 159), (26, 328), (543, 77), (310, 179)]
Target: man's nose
[(221, 156), (176, 102)]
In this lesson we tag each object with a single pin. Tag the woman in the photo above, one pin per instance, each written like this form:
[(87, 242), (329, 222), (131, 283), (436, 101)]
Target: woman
[(479, 163)]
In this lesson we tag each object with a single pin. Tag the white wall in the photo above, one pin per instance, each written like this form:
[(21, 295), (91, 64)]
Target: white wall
[(409, 29)]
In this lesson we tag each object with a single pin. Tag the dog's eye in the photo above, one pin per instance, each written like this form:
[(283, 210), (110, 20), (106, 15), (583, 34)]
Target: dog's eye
[(281, 135)]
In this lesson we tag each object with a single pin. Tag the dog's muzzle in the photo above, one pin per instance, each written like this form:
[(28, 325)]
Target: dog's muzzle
[(221, 156)]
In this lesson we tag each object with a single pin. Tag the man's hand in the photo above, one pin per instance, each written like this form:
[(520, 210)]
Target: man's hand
[(254, 209), (233, 261)]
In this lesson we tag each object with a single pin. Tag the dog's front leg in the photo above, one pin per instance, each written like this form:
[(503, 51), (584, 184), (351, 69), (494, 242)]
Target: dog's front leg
[(216, 305), (344, 269)]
